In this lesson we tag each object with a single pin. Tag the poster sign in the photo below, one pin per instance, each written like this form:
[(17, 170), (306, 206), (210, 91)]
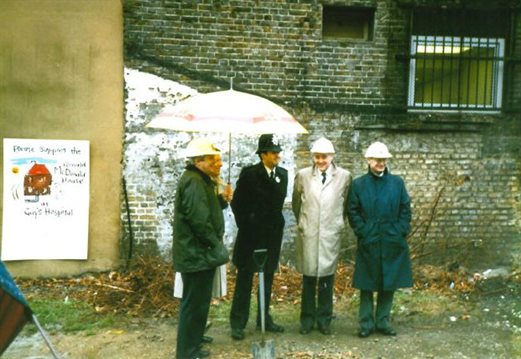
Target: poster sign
[(46, 199)]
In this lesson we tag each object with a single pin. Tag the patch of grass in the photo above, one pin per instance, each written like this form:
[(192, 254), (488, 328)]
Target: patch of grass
[(76, 316), (415, 305), (220, 311), (516, 345), (72, 316), (430, 303), (282, 312), (428, 308)]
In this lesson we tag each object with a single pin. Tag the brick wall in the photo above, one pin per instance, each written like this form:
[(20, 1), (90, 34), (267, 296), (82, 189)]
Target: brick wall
[(273, 48), (353, 92)]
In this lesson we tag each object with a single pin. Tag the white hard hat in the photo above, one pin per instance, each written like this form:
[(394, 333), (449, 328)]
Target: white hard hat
[(200, 147), (322, 145), (377, 150)]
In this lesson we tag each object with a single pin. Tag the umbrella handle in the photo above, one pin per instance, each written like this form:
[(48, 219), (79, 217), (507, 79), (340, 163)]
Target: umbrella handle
[(229, 157)]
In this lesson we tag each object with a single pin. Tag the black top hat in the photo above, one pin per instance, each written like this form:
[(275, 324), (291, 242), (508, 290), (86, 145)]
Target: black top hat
[(266, 144)]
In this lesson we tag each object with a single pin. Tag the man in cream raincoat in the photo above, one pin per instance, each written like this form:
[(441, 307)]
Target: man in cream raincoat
[(319, 196)]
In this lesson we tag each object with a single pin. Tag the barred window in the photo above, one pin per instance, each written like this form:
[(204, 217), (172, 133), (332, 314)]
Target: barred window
[(457, 60), (456, 72)]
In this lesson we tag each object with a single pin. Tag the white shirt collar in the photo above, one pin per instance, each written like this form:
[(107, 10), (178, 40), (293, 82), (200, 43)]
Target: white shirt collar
[(268, 171), (329, 171)]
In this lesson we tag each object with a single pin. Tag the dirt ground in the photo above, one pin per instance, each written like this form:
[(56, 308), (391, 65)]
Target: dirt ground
[(446, 315), (448, 328)]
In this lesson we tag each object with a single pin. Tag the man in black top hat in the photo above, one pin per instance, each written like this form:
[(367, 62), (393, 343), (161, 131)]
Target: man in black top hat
[(257, 206)]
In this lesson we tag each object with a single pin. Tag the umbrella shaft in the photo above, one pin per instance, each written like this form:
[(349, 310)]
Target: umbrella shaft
[(229, 157), (45, 338)]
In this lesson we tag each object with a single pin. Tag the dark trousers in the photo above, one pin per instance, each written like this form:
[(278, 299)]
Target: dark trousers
[(240, 311), (195, 304), (310, 310), (368, 319)]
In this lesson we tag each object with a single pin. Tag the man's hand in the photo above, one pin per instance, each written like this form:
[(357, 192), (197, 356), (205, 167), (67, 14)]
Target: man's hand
[(228, 193)]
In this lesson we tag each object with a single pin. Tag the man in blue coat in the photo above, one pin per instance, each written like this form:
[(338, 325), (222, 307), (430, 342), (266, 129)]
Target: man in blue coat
[(379, 211), (257, 207)]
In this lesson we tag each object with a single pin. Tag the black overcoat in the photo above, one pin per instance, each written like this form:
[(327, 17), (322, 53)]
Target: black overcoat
[(379, 212), (257, 206)]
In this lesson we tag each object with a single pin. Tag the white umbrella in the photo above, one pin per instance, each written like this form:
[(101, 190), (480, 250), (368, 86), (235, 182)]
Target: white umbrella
[(227, 111)]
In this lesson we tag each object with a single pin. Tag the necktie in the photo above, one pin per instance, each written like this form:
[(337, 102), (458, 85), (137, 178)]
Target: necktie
[(323, 177), (272, 175)]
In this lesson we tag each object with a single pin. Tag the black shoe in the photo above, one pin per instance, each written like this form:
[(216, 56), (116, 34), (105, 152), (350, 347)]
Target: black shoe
[(324, 329), (387, 331), (202, 354), (206, 339), (272, 327), (207, 326), (304, 330), (364, 333), (237, 333)]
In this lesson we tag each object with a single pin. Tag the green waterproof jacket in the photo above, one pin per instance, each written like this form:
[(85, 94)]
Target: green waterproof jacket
[(198, 221), (379, 211)]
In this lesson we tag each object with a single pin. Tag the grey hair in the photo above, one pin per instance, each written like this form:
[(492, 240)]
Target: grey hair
[(194, 160)]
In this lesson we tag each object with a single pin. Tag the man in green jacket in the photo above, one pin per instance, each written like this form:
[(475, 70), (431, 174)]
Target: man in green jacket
[(379, 211), (198, 231)]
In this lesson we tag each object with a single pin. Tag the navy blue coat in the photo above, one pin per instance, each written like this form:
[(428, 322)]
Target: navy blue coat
[(257, 206), (379, 212)]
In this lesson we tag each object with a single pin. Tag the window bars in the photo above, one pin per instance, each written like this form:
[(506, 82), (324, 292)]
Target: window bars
[(456, 73)]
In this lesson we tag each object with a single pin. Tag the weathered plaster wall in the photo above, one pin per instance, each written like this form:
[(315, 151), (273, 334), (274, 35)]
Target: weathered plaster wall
[(61, 77), (152, 164)]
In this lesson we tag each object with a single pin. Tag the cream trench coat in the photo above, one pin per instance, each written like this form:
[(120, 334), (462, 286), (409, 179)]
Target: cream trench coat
[(319, 210)]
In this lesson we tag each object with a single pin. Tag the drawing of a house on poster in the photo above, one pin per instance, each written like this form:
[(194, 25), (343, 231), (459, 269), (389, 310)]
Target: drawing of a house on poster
[(46, 199)]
